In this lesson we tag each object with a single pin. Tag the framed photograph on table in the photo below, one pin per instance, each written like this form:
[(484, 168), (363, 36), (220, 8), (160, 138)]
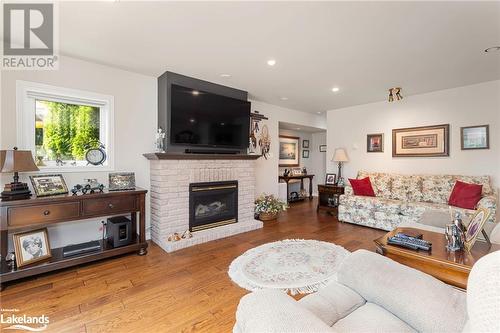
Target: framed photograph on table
[(289, 151), (121, 181), (475, 226), (331, 179), (375, 143), (426, 141), (47, 185), (31, 246), (475, 137)]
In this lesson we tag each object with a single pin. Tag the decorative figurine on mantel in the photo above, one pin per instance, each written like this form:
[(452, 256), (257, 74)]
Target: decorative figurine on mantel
[(159, 143)]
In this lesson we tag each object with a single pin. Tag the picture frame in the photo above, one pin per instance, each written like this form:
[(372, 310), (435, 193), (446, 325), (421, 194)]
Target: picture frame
[(322, 148), (475, 227), (475, 137), (48, 185), (289, 151), (331, 179), (305, 153), (121, 181), (305, 143), (31, 247), (375, 143), (424, 141)]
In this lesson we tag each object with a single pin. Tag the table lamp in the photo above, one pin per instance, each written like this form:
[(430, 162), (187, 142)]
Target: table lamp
[(16, 161), (340, 156)]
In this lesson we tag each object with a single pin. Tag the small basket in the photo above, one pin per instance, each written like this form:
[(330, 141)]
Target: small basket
[(268, 216)]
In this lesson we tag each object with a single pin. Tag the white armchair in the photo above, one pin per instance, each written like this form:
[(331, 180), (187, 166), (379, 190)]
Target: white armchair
[(376, 294)]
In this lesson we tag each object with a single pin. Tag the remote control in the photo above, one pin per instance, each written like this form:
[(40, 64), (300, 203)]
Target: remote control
[(410, 242)]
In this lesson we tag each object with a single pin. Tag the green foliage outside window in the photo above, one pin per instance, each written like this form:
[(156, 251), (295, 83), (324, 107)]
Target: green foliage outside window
[(69, 130)]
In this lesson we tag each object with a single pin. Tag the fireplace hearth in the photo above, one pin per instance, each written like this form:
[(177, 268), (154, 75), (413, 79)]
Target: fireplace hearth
[(212, 204)]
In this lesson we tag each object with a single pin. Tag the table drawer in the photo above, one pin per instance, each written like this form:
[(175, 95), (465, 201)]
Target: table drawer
[(21, 216), (109, 205)]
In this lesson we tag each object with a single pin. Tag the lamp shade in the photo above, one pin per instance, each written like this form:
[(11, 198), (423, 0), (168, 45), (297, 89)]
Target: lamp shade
[(340, 155), (17, 161)]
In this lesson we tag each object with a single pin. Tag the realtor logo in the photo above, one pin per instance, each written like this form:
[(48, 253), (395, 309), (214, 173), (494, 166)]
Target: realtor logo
[(29, 32)]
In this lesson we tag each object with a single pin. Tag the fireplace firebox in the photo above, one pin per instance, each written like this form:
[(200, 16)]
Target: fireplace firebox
[(212, 204)]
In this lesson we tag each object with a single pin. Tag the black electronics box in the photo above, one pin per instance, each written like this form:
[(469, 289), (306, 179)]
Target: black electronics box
[(119, 231)]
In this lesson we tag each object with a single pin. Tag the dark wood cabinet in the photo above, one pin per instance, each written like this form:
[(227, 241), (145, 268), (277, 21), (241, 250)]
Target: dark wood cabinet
[(34, 213), (328, 198)]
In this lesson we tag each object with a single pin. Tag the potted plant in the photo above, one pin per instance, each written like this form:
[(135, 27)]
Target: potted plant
[(268, 207)]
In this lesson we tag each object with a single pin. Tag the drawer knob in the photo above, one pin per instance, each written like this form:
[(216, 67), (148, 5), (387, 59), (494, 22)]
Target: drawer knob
[(47, 212), (111, 205)]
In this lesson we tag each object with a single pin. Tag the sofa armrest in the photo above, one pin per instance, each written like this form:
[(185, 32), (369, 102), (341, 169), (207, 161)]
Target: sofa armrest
[(489, 202), (273, 311), (420, 300), (348, 190)]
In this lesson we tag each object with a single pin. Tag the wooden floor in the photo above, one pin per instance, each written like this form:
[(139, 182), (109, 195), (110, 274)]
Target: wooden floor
[(184, 291)]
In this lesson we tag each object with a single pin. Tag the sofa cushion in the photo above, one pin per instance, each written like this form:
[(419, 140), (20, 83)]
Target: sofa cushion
[(392, 286), (465, 195), (362, 187), (371, 203), (381, 183), (437, 189), (480, 180), (372, 318), (332, 302)]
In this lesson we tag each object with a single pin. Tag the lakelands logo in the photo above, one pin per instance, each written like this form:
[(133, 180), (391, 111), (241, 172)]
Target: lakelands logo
[(24, 322), (29, 36)]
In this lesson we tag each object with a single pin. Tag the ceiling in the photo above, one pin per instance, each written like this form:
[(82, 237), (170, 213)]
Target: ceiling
[(363, 48), (300, 128)]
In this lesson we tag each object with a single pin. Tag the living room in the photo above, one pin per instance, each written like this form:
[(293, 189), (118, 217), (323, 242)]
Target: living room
[(334, 129)]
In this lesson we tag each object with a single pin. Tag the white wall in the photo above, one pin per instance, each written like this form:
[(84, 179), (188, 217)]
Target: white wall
[(267, 170), (135, 98), (465, 106)]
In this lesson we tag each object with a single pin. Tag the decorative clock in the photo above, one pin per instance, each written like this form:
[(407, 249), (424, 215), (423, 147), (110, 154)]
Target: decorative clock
[(96, 155)]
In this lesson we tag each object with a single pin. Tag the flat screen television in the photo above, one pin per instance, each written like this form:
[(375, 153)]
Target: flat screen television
[(203, 119)]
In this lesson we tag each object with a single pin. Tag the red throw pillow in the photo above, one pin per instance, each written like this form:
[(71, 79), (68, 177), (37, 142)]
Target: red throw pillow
[(362, 187), (465, 195)]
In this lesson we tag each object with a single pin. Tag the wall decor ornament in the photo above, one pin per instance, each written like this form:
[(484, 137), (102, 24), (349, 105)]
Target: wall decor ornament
[(425, 141), (475, 137), (305, 143), (305, 153), (375, 143), (259, 137), (322, 148), (289, 151)]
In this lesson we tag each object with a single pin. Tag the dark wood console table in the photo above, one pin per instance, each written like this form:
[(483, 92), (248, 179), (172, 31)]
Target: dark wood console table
[(287, 179), (35, 213)]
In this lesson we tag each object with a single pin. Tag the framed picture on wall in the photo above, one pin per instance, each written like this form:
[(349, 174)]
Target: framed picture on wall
[(375, 143), (475, 137), (289, 151), (305, 153), (426, 141), (322, 148), (305, 143)]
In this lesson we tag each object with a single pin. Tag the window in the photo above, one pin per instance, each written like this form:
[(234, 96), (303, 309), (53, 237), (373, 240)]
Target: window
[(60, 125)]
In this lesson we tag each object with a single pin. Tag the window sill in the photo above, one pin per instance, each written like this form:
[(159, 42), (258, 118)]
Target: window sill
[(67, 169)]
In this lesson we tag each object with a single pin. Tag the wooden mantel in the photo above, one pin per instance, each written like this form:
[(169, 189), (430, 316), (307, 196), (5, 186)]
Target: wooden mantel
[(182, 156)]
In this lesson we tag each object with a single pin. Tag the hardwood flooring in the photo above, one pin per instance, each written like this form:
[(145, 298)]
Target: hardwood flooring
[(185, 291)]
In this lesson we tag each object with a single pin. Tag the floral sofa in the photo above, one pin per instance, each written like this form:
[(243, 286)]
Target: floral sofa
[(404, 198)]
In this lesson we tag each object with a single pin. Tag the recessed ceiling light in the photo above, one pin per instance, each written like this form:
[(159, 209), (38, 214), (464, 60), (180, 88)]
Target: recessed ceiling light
[(225, 75), (319, 112), (297, 128), (335, 89), (492, 49), (271, 62), (284, 98), (195, 92)]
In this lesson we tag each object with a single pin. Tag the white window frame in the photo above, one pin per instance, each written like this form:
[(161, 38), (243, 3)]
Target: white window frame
[(26, 95)]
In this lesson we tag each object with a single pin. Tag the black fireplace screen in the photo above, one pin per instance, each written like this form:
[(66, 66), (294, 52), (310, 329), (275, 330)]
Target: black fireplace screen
[(212, 204)]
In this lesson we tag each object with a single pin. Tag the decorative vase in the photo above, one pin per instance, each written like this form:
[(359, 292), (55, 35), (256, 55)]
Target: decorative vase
[(268, 216)]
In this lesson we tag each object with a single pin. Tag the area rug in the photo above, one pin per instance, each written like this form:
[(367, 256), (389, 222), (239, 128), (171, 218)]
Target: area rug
[(293, 265)]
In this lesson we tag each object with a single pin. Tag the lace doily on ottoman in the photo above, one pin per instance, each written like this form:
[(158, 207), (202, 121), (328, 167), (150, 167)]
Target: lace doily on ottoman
[(295, 266)]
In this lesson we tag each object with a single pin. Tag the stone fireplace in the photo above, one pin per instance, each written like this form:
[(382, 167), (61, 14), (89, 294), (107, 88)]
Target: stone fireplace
[(174, 205), (212, 204)]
